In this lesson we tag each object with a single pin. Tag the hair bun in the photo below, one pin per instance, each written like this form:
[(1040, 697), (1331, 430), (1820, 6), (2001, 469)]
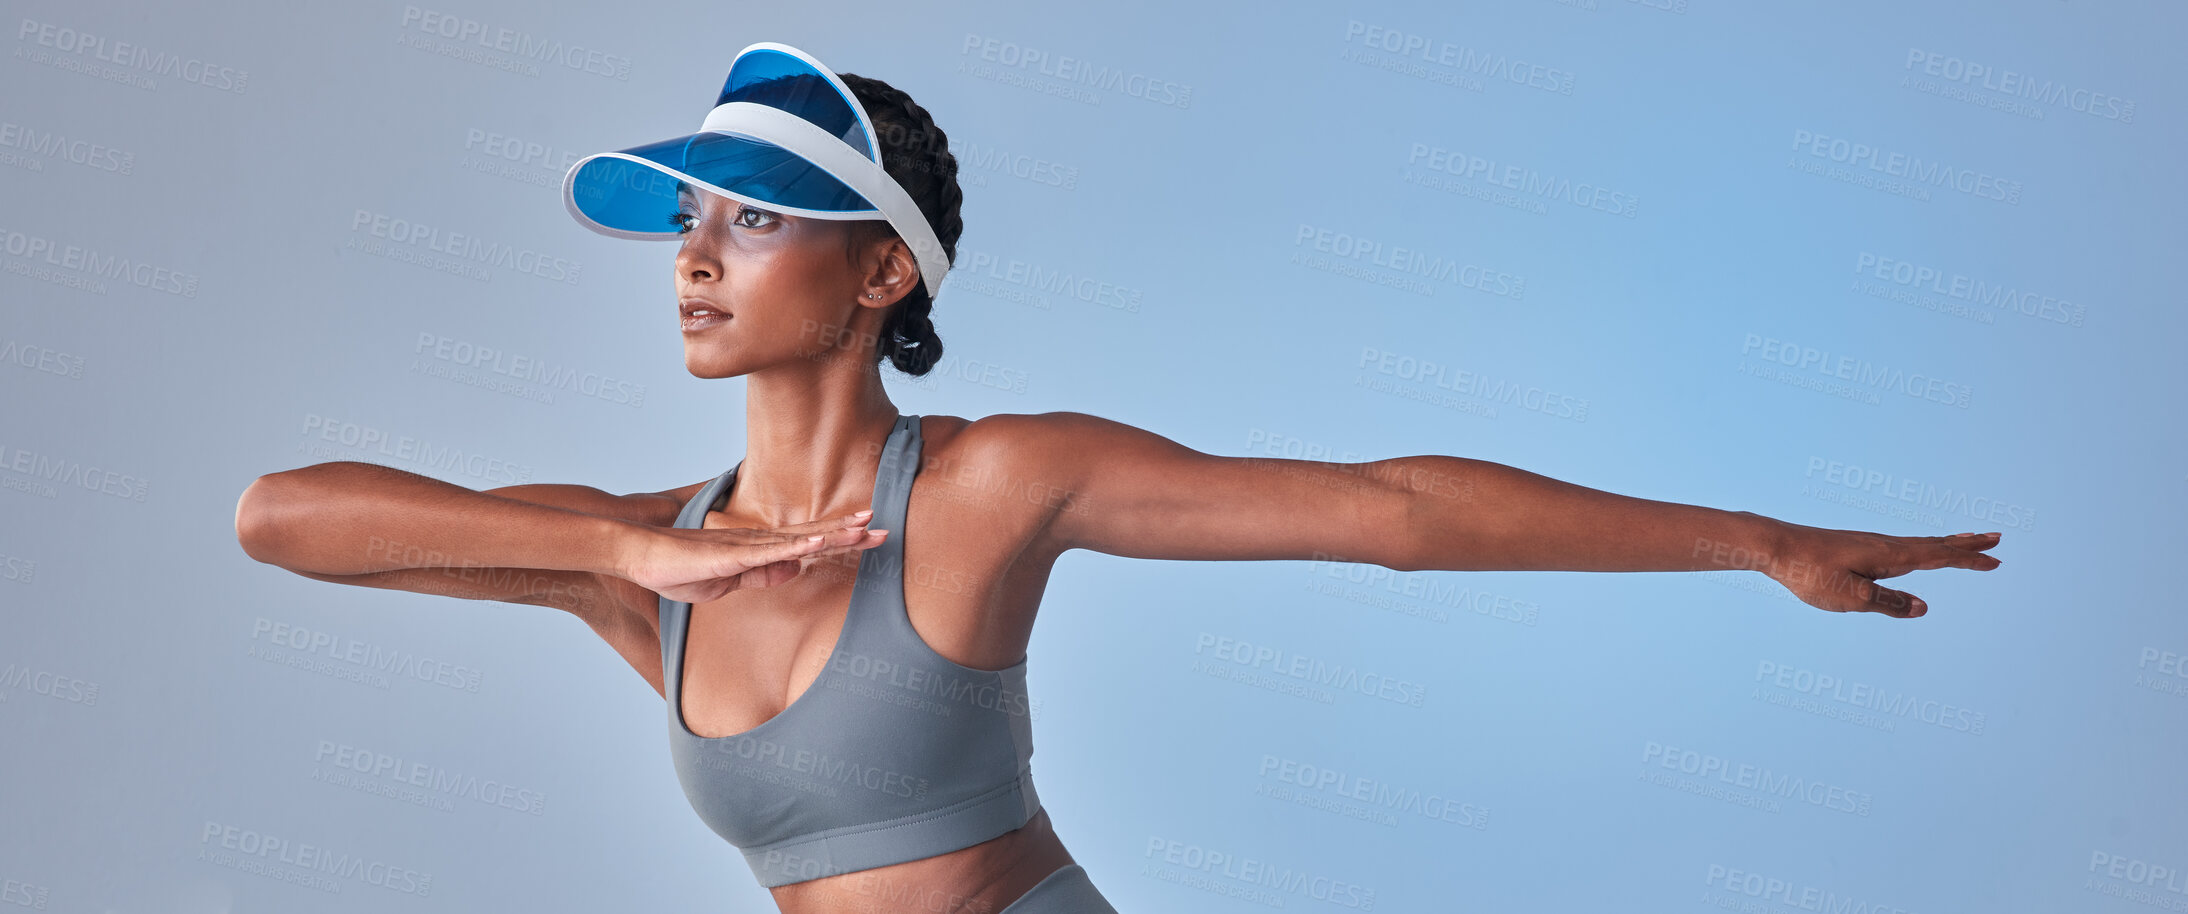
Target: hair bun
[(919, 158)]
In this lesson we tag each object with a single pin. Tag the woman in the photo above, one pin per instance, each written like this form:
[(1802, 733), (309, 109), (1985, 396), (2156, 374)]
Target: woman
[(844, 686)]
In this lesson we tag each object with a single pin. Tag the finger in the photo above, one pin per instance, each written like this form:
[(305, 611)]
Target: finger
[(1970, 541), (826, 524), (1953, 556), (831, 556), (768, 575), (859, 541), (1891, 563), (815, 545), (1975, 541), (778, 572), (1942, 556), (1881, 599), (800, 529), (1928, 540), (756, 536), (850, 539), (745, 557)]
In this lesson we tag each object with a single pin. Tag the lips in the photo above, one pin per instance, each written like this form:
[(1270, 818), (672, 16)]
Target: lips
[(699, 314), (695, 306)]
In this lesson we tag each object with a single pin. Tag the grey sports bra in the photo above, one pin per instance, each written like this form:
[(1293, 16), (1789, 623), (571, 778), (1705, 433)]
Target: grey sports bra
[(894, 753)]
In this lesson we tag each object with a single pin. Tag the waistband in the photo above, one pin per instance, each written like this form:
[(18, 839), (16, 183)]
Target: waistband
[(1065, 891)]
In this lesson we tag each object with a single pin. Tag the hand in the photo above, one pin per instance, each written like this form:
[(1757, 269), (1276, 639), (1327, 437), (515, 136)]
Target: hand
[(1837, 570), (696, 565)]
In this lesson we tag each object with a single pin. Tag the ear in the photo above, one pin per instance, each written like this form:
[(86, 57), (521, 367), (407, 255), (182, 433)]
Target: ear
[(886, 268)]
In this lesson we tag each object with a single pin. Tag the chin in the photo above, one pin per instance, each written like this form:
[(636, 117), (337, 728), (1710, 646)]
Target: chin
[(717, 374), (703, 366)]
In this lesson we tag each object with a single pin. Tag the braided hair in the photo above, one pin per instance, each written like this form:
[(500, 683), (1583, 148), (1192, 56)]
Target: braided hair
[(918, 156)]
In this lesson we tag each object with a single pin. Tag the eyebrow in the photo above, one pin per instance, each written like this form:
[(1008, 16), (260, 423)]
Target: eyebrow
[(684, 189)]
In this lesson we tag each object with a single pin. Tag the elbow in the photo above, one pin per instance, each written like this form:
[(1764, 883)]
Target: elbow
[(258, 517), (1427, 518), (1405, 537)]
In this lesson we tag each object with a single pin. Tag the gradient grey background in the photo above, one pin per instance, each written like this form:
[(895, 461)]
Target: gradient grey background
[(1186, 217)]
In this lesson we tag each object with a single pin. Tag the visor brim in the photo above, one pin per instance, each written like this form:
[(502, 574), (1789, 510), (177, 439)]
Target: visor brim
[(632, 192)]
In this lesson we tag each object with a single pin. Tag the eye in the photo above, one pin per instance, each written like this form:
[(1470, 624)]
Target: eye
[(683, 219)]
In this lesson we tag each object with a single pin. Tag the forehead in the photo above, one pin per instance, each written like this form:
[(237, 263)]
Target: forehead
[(685, 192)]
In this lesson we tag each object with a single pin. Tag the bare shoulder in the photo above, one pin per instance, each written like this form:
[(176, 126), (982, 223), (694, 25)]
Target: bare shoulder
[(1036, 436), (1015, 449), (1059, 447), (1024, 471)]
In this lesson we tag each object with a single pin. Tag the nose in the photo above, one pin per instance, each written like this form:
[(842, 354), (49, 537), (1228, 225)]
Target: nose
[(695, 260)]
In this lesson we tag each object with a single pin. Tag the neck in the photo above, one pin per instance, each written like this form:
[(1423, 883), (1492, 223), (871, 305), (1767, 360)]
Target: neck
[(813, 442)]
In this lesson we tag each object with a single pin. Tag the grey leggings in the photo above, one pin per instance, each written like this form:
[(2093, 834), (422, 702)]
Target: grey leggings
[(1066, 891)]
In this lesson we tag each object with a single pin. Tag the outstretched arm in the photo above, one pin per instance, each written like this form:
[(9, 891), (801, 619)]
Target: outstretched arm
[(1134, 493)]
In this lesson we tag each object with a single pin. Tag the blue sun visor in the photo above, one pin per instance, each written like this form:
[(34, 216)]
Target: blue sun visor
[(784, 135)]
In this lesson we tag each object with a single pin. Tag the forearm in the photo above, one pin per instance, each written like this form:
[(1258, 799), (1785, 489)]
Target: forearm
[(1501, 518), (350, 518)]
